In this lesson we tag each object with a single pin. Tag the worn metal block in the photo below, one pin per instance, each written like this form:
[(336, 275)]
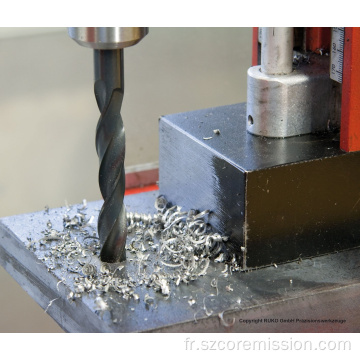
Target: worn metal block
[(278, 199)]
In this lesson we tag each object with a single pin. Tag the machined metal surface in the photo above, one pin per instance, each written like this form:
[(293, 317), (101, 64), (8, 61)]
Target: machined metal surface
[(289, 105), (107, 38), (277, 199), (110, 146), (277, 50), (313, 295)]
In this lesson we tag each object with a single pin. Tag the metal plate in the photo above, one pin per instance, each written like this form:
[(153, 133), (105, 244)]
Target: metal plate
[(325, 290)]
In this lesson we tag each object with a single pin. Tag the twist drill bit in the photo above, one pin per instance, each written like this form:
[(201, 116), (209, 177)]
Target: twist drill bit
[(108, 44), (110, 146)]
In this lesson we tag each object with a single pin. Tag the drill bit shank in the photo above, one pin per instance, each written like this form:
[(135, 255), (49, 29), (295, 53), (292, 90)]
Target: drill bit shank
[(110, 146)]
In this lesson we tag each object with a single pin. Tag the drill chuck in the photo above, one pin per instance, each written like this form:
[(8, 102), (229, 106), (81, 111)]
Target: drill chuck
[(107, 38)]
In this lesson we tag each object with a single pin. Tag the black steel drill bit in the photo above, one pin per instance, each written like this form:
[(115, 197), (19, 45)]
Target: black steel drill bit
[(110, 146)]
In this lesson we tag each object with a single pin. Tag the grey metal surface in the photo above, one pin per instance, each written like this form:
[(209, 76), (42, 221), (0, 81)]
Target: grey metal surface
[(107, 38), (110, 146), (237, 146), (277, 199), (321, 294), (277, 50), (289, 105)]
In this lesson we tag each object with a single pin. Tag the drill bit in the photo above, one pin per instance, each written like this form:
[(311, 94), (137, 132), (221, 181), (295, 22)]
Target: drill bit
[(110, 147), (108, 44)]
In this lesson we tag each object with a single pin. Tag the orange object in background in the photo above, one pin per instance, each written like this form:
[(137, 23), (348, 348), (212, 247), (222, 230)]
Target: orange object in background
[(318, 39), (350, 102), (255, 46), (138, 190), (141, 181)]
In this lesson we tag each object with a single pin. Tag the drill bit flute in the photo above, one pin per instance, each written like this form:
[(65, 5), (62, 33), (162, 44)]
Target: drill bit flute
[(108, 44), (110, 147)]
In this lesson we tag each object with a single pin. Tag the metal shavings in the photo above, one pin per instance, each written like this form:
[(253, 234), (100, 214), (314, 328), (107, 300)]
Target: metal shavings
[(76, 221), (31, 244), (233, 264), (214, 285), (105, 268), (89, 270), (216, 132), (299, 58), (205, 267), (68, 208), (207, 138), (186, 242), (58, 283), (119, 268), (165, 290), (195, 321), (50, 303), (223, 322), (79, 288), (169, 248), (46, 210), (225, 269), (148, 299), (101, 304), (220, 258), (291, 281), (207, 311), (275, 265), (171, 265), (49, 224), (160, 203), (84, 206), (137, 221), (229, 288)]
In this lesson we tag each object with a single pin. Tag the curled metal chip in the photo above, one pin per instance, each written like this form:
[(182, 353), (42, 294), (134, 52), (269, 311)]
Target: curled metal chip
[(161, 203), (148, 299), (223, 322), (88, 269)]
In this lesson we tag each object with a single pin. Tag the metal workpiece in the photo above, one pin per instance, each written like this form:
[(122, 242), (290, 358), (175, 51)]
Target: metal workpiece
[(276, 199), (277, 50), (107, 38), (282, 106), (316, 289), (110, 146)]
